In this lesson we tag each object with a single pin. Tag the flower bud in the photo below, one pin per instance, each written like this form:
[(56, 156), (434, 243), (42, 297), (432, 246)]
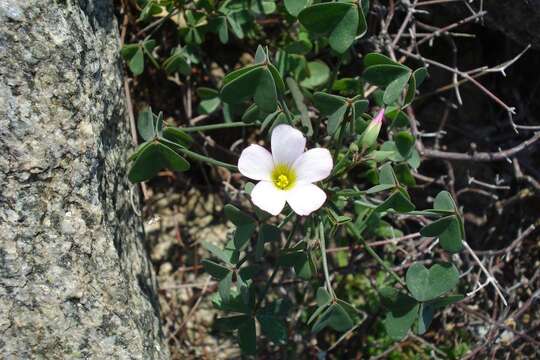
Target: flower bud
[(369, 137)]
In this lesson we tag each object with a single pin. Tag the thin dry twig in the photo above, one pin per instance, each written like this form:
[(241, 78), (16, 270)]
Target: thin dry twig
[(502, 155), (490, 279)]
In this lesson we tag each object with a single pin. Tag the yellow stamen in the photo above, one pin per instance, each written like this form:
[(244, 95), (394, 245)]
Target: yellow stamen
[(282, 181), (283, 177)]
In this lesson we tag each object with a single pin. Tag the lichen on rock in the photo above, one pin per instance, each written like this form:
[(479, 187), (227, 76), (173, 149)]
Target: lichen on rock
[(75, 279)]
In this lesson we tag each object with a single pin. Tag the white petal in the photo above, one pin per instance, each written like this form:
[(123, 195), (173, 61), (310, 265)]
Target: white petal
[(313, 165), (267, 197), (256, 163), (305, 198), (288, 144)]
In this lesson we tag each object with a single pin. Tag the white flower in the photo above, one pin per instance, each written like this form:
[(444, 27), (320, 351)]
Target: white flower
[(287, 174)]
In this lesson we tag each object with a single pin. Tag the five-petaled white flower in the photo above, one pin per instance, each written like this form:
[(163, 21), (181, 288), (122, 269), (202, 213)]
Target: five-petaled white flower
[(287, 174)]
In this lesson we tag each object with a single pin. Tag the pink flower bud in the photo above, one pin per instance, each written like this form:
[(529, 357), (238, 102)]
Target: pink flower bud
[(369, 137)]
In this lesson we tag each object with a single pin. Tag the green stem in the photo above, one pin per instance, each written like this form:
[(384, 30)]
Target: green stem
[(216, 126), (200, 157), (372, 252), (324, 260)]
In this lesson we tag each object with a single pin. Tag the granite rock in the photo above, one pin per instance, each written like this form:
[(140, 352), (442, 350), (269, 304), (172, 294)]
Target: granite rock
[(75, 279)]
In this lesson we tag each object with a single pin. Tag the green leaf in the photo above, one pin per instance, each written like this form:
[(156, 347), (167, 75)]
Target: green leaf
[(343, 35), (428, 284), (252, 114), (419, 76), (233, 75), (351, 310), (129, 50), (411, 91), (404, 143), (220, 26), (145, 124), (265, 93), (360, 106), (300, 47), (318, 75), (316, 313), (403, 311), (323, 297), (425, 316), (206, 93), (328, 104), (209, 106), (224, 287), (273, 328), (177, 63), (217, 271), (147, 164), (333, 107), (404, 175), (335, 317), (437, 227), (384, 74), (173, 160), (394, 88), (378, 188), (451, 239), (294, 7), (136, 63), (242, 87), (247, 336), (339, 20), (139, 150), (378, 59), (387, 175), (177, 136), (444, 201), (217, 252), (263, 7), (236, 216), (260, 55), (278, 81), (397, 201), (299, 260), (248, 272)]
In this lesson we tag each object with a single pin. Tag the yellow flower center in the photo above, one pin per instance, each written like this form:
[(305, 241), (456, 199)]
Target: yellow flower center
[(282, 181), (283, 177)]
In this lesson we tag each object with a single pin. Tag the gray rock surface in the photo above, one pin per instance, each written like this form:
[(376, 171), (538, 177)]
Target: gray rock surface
[(75, 280)]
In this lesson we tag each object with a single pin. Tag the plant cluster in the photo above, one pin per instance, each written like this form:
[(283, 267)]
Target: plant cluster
[(365, 188)]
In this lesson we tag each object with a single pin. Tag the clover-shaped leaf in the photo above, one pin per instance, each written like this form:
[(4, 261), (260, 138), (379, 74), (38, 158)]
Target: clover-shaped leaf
[(402, 312), (449, 229), (335, 317), (261, 82), (428, 284), (341, 21), (318, 74), (404, 143)]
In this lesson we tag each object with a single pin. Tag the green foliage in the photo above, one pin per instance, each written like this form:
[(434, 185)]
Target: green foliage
[(368, 185)]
